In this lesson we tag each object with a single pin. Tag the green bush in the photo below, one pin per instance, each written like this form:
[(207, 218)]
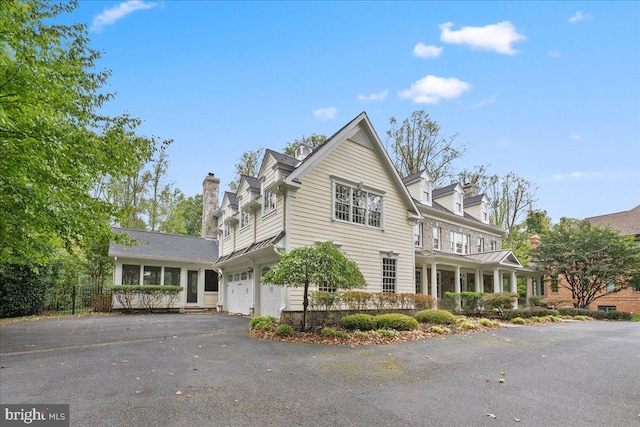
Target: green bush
[(262, 322), (399, 322), (328, 332), (467, 325), (618, 315), (440, 317), (356, 300), (596, 314), (582, 318), (439, 330), (534, 300), (364, 322), (343, 335), (528, 312), (387, 332), (284, 330), (518, 321), (487, 322), (360, 334), (23, 289), (498, 301)]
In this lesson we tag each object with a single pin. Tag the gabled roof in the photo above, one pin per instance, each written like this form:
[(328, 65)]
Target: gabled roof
[(627, 222), (504, 257), (252, 182), (233, 200), (439, 192), (412, 178), (474, 200), (476, 222), (165, 246), (360, 125)]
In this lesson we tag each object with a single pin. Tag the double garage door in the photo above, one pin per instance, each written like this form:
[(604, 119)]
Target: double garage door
[(240, 295)]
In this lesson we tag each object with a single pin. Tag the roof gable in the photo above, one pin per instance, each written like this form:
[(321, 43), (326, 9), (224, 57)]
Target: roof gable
[(359, 130), (627, 222)]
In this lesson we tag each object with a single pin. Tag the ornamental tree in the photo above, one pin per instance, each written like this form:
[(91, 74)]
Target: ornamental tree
[(320, 264), (589, 261)]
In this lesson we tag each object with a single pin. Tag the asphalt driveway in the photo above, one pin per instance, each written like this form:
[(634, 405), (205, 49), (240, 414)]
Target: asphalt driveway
[(204, 370)]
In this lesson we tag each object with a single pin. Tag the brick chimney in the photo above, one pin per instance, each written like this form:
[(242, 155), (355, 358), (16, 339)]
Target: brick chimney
[(210, 189), (534, 241)]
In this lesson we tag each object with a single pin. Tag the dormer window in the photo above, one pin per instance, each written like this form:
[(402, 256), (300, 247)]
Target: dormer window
[(457, 200), (426, 192)]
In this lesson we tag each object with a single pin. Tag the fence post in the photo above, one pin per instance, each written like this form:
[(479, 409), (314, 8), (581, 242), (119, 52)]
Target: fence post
[(73, 300)]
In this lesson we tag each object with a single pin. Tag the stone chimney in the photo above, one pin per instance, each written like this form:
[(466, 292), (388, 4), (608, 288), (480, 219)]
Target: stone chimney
[(534, 241), (470, 190), (210, 188)]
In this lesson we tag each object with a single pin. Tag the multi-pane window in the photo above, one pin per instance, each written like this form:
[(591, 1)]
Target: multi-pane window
[(418, 280), (171, 276), (130, 274), (480, 244), (268, 202), (417, 235), (436, 238), (494, 245), (151, 275), (465, 243), (245, 217), (357, 206), (227, 229), (457, 244), (389, 266), (458, 202), (325, 287), (426, 192)]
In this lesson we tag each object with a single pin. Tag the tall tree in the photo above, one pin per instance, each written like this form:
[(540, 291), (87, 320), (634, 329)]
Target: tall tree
[(160, 192), (589, 261), (55, 144), (321, 264), (247, 165), (185, 216), (416, 145), (511, 197), (314, 141)]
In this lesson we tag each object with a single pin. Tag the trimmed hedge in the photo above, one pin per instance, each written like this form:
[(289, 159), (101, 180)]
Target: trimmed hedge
[(363, 322), (525, 313), (148, 296), (399, 322), (596, 314), (440, 317)]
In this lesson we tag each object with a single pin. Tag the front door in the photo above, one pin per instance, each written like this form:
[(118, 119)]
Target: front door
[(192, 286)]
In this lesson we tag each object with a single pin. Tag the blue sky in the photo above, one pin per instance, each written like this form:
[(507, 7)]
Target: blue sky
[(548, 90)]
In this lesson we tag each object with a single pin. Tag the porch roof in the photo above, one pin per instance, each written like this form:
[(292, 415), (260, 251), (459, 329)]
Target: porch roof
[(270, 241), (504, 258), (165, 246)]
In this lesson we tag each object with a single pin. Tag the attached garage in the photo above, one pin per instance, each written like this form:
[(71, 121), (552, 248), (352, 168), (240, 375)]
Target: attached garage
[(239, 292), (270, 299)]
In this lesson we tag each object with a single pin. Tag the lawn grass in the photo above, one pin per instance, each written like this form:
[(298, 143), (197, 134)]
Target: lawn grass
[(635, 317)]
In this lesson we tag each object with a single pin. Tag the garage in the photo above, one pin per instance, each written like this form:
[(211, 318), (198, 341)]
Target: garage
[(270, 300), (239, 292)]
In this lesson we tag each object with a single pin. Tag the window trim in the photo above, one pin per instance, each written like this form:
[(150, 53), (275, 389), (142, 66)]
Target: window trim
[(419, 235), (436, 241), (367, 191), (391, 277)]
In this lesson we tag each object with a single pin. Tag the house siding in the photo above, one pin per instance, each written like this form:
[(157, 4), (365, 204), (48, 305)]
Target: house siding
[(313, 205)]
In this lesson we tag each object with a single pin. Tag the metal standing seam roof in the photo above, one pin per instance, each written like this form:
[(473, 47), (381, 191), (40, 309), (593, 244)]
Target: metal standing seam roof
[(499, 257), (165, 246), (252, 248)]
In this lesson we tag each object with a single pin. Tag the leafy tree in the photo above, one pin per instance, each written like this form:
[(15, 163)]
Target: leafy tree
[(416, 145), (248, 165), (314, 141), (185, 215), (510, 196), (55, 144), (159, 202), (321, 264), (589, 261)]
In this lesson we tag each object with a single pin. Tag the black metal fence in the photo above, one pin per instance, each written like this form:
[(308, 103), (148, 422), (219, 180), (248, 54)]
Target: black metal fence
[(77, 299)]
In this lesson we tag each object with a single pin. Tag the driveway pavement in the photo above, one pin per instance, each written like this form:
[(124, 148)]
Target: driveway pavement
[(128, 370)]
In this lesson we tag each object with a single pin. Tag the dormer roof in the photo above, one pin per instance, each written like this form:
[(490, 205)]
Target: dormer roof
[(472, 201), (440, 192), (252, 182), (231, 197)]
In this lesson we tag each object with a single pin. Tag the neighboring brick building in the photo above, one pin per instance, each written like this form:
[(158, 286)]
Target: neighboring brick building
[(628, 224)]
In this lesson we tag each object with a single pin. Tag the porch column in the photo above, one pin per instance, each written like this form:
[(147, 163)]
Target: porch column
[(434, 284), (425, 280), (527, 290), (478, 280), (497, 283), (457, 285), (513, 287)]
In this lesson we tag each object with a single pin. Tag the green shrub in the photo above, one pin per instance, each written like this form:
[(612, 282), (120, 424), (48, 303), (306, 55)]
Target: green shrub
[(364, 322), (386, 332), (262, 322), (399, 322), (470, 301), (343, 335), (284, 330), (528, 312), (360, 334), (356, 300), (487, 322), (329, 332), (582, 318), (498, 301), (440, 317), (535, 319), (467, 325), (534, 301), (439, 330), (518, 321)]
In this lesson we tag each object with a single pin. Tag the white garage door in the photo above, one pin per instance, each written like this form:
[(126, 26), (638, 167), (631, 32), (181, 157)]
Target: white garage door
[(239, 294), (270, 300)]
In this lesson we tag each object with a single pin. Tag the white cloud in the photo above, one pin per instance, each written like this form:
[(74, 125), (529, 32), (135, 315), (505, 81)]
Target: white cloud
[(554, 53), (578, 175), (110, 16), (496, 37), (490, 100), (576, 137), (325, 113), (579, 16), (431, 89), (422, 51), (379, 96)]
